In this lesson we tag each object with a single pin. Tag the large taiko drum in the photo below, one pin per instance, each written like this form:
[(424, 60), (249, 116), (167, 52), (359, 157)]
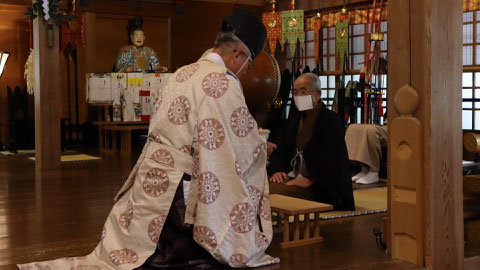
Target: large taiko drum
[(261, 85)]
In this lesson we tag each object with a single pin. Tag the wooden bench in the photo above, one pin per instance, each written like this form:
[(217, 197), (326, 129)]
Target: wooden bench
[(288, 206), (125, 135)]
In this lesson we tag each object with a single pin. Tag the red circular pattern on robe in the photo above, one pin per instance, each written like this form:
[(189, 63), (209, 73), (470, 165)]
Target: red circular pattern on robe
[(242, 218), (209, 187), (215, 84), (238, 260), (179, 110), (163, 156), (195, 166), (187, 149), (261, 240), (211, 134), (155, 228), (35, 267), (104, 233), (257, 152), (156, 182), (154, 137), (127, 216), (255, 195), (156, 105), (86, 267), (187, 72), (205, 237), (264, 208), (123, 256), (238, 171), (241, 122)]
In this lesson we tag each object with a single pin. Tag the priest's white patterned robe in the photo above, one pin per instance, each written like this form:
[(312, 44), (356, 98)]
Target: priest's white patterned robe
[(201, 127)]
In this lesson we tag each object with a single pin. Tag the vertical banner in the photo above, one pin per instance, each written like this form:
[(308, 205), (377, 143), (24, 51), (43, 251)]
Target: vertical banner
[(293, 29), (273, 24)]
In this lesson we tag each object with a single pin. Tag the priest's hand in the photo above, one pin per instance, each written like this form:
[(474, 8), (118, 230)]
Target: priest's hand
[(278, 177), (270, 148), (302, 182)]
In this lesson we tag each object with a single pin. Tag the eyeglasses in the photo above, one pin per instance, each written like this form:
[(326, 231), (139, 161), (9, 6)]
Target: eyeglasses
[(249, 59)]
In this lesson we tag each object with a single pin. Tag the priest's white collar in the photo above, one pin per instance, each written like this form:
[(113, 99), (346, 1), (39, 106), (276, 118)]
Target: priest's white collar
[(216, 57)]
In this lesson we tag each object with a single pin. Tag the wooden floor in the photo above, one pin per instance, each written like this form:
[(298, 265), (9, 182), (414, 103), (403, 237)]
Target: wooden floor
[(61, 213)]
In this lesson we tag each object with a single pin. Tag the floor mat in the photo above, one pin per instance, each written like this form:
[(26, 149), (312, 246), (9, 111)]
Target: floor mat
[(73, 158)]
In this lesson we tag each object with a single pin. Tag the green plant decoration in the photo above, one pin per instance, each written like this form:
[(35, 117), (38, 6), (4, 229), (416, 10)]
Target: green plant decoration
[(58, 18)]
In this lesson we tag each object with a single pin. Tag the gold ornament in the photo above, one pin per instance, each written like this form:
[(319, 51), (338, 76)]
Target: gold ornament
[(141, 62), (278, 103), (272, 23), (319, 15), (292, 22), (344, 11), (342, 32)]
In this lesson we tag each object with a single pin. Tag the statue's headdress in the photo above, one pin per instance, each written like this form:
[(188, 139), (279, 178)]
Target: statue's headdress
[(135, 23)]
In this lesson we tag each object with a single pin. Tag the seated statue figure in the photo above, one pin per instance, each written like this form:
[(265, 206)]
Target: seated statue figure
[(136, 57)]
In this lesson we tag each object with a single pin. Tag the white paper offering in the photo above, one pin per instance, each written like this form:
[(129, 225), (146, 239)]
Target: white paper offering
[(119, 84), (99, 88)]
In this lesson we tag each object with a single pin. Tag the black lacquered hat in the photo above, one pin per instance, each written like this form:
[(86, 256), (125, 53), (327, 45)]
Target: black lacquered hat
[(248, 28), (134, 23)]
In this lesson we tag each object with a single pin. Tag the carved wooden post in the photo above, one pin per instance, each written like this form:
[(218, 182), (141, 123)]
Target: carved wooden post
[(47, 97), (425, 52), (406, 176)]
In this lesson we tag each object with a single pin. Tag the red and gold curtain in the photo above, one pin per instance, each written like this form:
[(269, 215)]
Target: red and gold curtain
[(471, 5), (273, 24), (356, 17), (75, 34)]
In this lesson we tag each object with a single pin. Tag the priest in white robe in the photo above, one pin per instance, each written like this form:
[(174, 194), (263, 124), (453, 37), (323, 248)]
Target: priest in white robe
[(202, 168)]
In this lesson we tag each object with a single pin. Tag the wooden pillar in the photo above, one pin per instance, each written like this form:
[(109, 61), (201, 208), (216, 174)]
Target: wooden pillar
[(47, 97), (425, 56)]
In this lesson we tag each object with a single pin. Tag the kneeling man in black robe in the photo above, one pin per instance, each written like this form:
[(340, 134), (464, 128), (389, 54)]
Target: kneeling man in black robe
[(309, 158)]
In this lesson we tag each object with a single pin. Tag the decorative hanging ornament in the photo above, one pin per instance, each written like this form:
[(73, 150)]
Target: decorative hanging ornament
[(74, 33), (293, 29), (46, 10), (316, 31), (273, 23), (341, 37)]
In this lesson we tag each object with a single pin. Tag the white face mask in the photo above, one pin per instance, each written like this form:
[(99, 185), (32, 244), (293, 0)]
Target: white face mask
[(303, 103)]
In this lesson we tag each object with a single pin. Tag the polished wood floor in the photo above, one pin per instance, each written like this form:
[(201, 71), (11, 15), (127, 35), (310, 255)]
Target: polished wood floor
[(61, 213)]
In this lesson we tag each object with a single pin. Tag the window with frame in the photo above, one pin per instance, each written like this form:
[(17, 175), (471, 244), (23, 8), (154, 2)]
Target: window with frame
[(471, 77), (328, 54)]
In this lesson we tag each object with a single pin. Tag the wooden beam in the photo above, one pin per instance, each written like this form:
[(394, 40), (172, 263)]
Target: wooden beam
[(47, 97), (445, 191), (125, 8), (309, 5), (425, 52), (25, 3), (240, 2)]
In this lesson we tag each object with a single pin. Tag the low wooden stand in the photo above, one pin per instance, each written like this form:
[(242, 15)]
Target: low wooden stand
[(288, 206), (125, 136)]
